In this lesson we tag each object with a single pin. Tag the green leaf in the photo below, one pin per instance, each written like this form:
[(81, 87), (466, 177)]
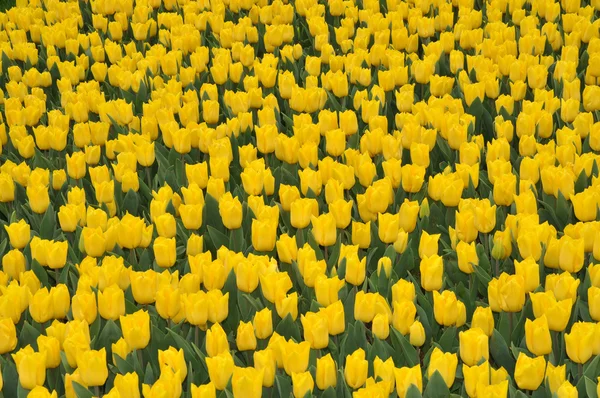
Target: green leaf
[(28, 336), (11, 378), (40, 272), (289, 329), (436, 387), (500, 353), (81, 391), (284, 386), (400, 343), (413, 392), (592, 369), (448, 339), (590, 388), (131, 202), (48, 223), (218, 239)]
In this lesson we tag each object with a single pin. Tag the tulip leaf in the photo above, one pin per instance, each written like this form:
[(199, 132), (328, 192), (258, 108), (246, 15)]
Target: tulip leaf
[(81, 391), (500, 353), (284, 386), (10, 378), (217, 238), (131, 202), (40, 272), (212, 217), (590, 388), (289, 329), (28, 336), (401, 344), (110, 334), (592, 369), (413, 392), (123, 365), (48, 223), (230, 287), (329, 393), (436, 387), (236, 240), (448, 339)]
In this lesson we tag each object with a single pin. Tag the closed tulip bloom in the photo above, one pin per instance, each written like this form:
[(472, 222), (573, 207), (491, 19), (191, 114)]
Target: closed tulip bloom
[(484, 320), (356, 269), (432, 272), (571, 255), (327, 289), (406, 377), (111, 302), (264, 235), (41, 392), (76, 167), (8, 335), (474, 345), (127, 385), (511, 290), (92, 367), (361, 234), (40, 306), (555, 376), (130, 231), (165, 252), (94, 241), (381, 326), (245, 338), (388, 225), (413, 177), (467, 256), (417, 334), (302, 384), (558, 313), (428, 244), (18, 234), (445, 307), (324, 229), (247, 382), (530, 271), (265, 361), (476, 378), (287, 304), (505, 189), (404, 316), (84, 306), (173, 359), (31, 368), (143, 286), (230, 209), (287, 249), (295, 356), (326, 374), (579, 342), (136, 329), (220, 369), (529, 372), (216, 341), (316, 331), (594, 302), (50, 346), (445, 363), (263, 323), (537, 336), (168, 302), (356, 369), (13, 263)]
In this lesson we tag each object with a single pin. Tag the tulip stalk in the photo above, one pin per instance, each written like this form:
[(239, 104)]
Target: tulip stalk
[(97, 391)]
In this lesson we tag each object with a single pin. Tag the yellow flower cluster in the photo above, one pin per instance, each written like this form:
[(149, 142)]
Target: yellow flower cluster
[(330, 198)]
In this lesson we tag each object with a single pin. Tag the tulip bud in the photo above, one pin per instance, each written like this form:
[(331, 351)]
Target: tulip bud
[(417, 334)]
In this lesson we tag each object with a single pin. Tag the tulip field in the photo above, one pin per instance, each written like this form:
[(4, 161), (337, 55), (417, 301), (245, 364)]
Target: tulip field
[(291, 198)]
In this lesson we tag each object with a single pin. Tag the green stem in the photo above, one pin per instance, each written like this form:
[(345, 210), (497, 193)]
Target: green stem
[(97, 391), (140, 358), (510, 326), (197, 335)]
